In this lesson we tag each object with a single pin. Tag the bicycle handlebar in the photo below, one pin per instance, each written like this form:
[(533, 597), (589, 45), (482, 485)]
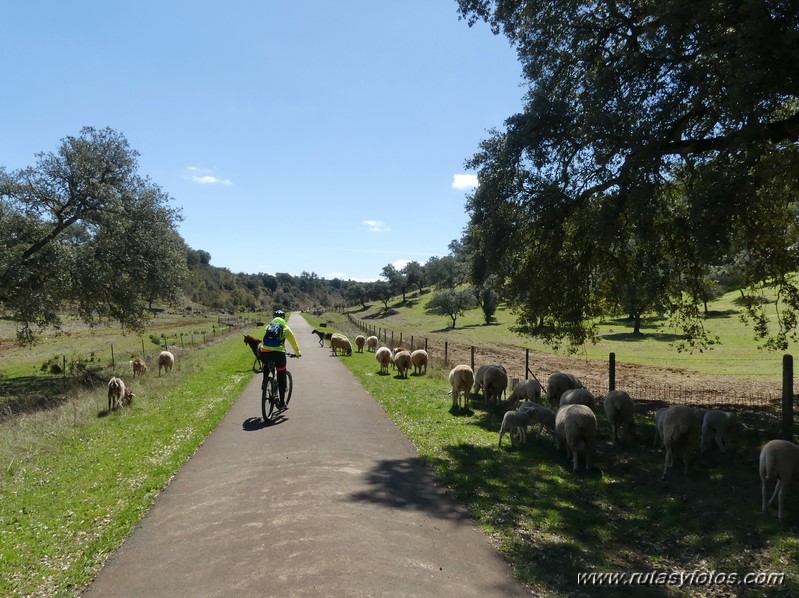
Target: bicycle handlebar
[(292, 355)]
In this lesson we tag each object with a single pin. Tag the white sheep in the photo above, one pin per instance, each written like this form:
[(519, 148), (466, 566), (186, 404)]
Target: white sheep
[(525, 390), (679, 428), (620, 413), (419, 359), (383, 357), (340, 342), (779, 460), (165, 360), (118, 394), (371, 343), (557, 384), (139, 366), (541, 415), (360, 341), (514, 420), (402, 361), (494, 383), (722, 426), (461, 379), (577, 396), (658, 442), (576, 426)]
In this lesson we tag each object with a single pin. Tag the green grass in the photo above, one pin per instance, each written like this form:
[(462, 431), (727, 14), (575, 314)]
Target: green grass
[(552, 524), (736, 355), (77, 479)]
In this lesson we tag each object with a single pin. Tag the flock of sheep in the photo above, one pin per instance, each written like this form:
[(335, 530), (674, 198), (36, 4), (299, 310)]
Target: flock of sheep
[(119, 395), (570, 419)]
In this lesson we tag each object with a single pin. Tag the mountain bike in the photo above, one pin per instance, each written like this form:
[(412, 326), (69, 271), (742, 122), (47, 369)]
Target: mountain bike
[(270, 394)]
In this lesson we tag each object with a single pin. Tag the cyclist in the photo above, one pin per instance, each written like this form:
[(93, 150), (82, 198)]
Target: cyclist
[(273, 349)]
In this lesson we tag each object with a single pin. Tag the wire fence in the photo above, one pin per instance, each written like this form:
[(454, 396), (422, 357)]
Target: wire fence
[(761, 406)]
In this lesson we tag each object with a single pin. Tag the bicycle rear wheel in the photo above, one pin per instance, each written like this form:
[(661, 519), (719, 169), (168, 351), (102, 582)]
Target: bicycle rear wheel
[(267, 401), (289, 386)]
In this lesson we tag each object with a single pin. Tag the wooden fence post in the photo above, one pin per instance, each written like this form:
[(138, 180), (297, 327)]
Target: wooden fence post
[(612, 372), (526, 364), (787, 397), (113, 362), (446, 360), (472, 358)]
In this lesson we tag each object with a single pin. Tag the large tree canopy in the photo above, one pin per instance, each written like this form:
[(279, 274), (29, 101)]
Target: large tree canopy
[(84, 232), (658, 140)]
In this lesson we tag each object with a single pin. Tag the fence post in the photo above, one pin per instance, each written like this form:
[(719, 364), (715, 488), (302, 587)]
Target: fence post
[(612, 372), (472, 357), (446, 360), (113, 362), (526, 364), (787, 397)]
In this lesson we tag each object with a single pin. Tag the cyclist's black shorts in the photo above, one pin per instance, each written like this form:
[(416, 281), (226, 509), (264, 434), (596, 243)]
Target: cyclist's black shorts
[(276, 357)]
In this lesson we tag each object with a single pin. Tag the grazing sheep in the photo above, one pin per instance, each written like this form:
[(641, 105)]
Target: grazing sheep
[(721, 425), (461, 379), (165, 360), (620, 413), (577, 396), (360, 341), (557, 384), (494, 383), (658, 442), (576, 426), (383, 356), (340, 341), (779, 459), (402, 361), (526, 390), (679, 429), (139, 366), (515, 420), (419, 360), (480, 374), (118, 394), (371, 343), (543, 416)]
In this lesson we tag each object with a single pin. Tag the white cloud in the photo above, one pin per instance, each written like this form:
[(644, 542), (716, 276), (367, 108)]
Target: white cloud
[(464, 181), (400, 264), (203, 176), (376, 226)]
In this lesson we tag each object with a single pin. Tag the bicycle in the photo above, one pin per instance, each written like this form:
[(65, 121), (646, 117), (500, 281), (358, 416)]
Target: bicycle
[(270, 394)]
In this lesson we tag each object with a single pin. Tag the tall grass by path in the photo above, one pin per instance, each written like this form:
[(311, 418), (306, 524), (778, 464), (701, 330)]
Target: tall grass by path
[(68, 503), (552, 524)]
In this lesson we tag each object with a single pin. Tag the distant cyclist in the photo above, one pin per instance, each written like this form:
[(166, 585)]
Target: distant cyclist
[(273, 349)]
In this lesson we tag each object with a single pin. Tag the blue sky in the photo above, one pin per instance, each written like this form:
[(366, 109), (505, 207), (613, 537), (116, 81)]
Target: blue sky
[(347, 122)]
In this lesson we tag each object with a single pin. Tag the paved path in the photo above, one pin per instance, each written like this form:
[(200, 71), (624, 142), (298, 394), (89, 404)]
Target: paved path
[(331, 501)]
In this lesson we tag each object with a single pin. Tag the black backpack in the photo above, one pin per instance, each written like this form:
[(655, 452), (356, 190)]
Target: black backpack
[(274, 335)]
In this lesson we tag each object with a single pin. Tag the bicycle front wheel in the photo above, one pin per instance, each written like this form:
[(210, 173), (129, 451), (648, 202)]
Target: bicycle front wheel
[(267, 401), (289, 386)]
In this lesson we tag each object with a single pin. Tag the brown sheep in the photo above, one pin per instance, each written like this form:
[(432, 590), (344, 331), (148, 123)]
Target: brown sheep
[(118, 394), (139, 366)]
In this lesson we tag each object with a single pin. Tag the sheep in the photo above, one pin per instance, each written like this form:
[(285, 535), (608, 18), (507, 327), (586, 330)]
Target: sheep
[(557, 384), (371, 343), (576, 426), (419, 359), (383, 356), (402, 360), (340, 341), (658, 442), (480, 374), (118, 394), (541, 415), (515, 420), (620, 413), (779, 459), (360, 341), (139, 366), (494, 383), (165, 360), (526, 390), (577, 396), (679, 429), (721, 425), (461, 379)]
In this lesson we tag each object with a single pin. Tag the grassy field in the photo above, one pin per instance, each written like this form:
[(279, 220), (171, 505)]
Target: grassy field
[(737, 353), (552, 524), (76, 479)]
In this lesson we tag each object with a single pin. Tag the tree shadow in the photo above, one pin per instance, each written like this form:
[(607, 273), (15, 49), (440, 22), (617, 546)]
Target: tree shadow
[(643, 336)]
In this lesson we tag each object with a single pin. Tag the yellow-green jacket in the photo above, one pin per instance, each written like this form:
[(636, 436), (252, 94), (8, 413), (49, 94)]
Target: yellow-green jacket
[(288, 335)]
